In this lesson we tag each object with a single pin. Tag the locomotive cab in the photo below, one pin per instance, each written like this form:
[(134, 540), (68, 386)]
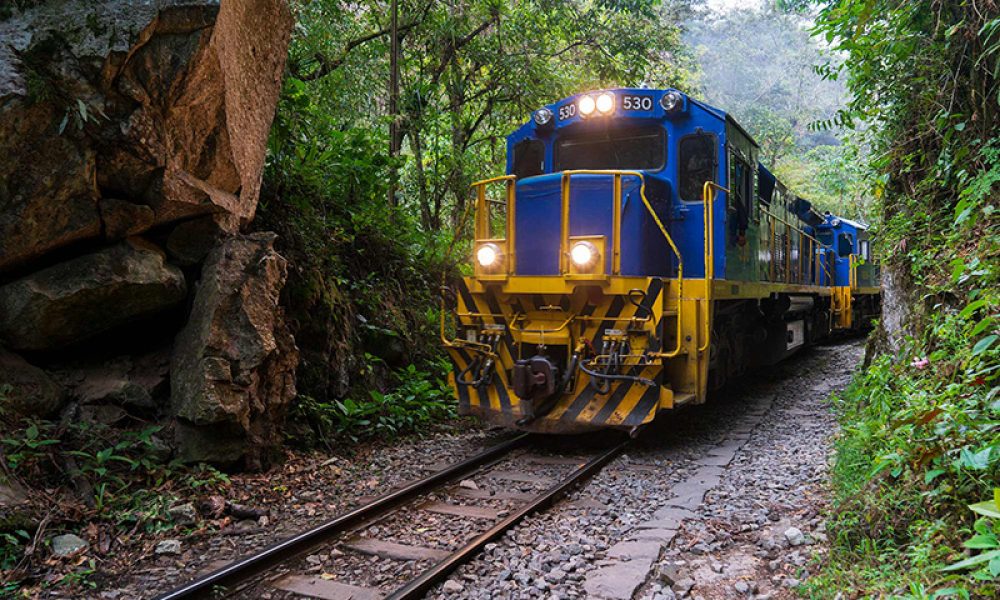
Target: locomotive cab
[(661, 140)]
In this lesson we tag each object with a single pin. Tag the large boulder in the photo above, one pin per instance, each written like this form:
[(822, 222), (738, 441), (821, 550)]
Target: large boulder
[(162, 104), (87, 295), (25, 389), (232, 374)]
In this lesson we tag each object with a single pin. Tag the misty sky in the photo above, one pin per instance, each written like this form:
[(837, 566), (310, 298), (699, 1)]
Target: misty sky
[(731, 4)]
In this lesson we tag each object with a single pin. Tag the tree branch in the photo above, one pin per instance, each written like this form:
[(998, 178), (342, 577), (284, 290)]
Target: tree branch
[(457, 45), (328, 65)]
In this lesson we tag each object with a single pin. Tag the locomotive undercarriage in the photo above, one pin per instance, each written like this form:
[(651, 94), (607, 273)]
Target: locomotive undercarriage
[(588, 356), (577, 356), (758, 332), (614, 355)]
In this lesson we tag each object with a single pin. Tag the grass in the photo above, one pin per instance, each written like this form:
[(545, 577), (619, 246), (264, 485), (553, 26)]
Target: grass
[(80, 477), (920, 441)]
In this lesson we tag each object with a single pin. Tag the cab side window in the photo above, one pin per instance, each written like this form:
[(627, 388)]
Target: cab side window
[(742, 193), (865, 249), (845, 245), (696, 165), (529, 158)]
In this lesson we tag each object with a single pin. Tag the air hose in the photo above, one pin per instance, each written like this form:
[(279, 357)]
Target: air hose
[(605, 379), (484, 373)]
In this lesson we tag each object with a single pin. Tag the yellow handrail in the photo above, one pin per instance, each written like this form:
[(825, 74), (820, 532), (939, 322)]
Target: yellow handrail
[(708, 210), (519, 329), (482, 216), (616, 224), (494, 180), (793, 226), (806, 235), (826, 268), (479, 186)]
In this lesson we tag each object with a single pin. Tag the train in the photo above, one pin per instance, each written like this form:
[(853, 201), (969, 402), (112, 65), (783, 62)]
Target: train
[(636, 257)]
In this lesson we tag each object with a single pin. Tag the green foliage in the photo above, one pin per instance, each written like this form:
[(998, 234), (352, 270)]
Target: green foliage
[(119, 477), (920, 436), (921, 428), (986, 563), (831, 177), (117, 465), (419, 398), (470, 73)]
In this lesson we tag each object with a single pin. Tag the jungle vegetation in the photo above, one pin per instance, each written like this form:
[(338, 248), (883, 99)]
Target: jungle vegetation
[(916, 511), (470, 72)]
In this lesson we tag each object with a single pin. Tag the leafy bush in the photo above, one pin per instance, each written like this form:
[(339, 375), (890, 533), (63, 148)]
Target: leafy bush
[(103, 475), (987, 540), (921, 428), (920, 440), (419, 398), (351, 253)]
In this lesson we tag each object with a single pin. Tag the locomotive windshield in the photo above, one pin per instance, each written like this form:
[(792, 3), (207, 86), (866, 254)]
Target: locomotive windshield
[(529, 158), (630, 149)]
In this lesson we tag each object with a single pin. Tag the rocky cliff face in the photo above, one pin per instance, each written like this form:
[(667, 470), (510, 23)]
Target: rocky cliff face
[(133, 138)]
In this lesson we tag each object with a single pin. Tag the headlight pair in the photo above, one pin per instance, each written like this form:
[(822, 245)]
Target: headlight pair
[(603, 103), (584, 254)]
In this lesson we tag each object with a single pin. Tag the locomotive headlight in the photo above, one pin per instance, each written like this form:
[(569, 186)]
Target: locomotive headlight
[(671, 101), (488, 255), (583, 254), (605, 103), (587, 106), (542, 116)]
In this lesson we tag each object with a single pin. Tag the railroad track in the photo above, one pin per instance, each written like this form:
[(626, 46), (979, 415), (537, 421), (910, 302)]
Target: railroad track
[(278, 568)]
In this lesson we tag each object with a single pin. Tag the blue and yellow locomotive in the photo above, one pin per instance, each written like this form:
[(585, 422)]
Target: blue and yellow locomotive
[(636, 256)]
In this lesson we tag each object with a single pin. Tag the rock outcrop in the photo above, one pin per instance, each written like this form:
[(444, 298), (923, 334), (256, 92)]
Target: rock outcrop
[(233, 369), (163, 104), (133, 137), (87, 295), (30, 390), (140, 384)]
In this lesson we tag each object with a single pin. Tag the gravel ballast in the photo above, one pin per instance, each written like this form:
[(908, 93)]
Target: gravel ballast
[(721, 500), (701, 506)]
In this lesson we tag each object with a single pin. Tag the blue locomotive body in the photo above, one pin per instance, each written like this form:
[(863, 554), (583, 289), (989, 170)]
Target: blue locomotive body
[(647, 256)]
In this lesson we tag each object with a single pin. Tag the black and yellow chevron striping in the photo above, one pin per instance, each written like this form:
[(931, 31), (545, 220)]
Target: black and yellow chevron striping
[(627, 404)]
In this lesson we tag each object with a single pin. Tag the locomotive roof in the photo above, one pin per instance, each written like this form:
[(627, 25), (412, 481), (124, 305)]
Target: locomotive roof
[(854, 224), (528, 127)]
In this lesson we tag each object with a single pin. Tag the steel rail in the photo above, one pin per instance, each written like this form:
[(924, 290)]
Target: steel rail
[(255, 564), (418, 587)]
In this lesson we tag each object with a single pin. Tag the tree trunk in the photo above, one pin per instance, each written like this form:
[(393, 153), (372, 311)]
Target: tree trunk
[(457, 178), (427, 217)]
